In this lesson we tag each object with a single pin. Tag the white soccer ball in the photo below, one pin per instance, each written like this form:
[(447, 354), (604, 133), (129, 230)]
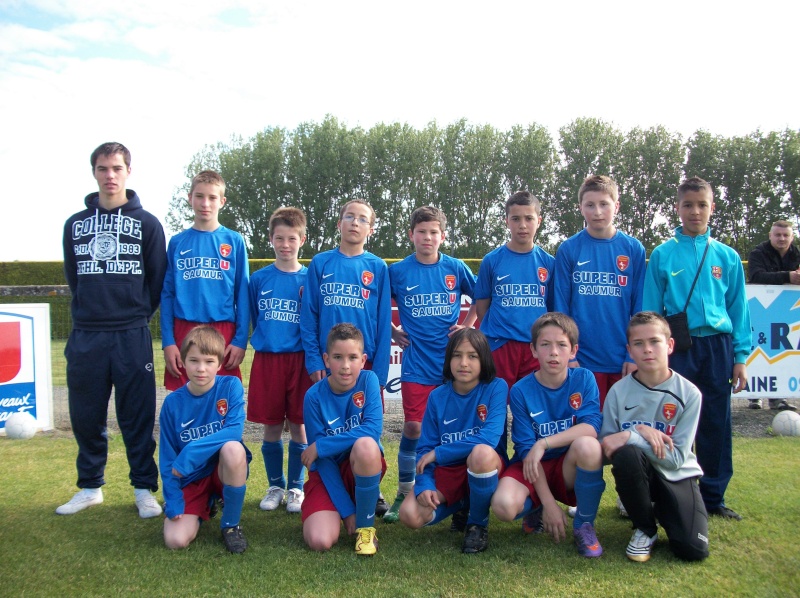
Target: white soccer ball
[(786, 423), (21, 425)]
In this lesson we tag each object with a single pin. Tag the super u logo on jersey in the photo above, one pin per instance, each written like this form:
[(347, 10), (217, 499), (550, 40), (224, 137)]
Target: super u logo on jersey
[(575, 400), (358, 399), (622, 262), (482, 412)]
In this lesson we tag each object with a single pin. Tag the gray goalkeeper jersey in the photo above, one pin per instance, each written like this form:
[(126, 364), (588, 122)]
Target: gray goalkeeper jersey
[(672, 407)]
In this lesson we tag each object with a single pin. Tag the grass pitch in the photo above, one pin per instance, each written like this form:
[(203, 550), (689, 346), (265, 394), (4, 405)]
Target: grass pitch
[(107, 550)]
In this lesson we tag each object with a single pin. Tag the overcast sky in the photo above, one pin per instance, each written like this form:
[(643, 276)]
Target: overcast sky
[(166, 77)]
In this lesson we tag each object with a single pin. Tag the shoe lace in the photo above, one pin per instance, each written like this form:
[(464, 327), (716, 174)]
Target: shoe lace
[(365, 535)]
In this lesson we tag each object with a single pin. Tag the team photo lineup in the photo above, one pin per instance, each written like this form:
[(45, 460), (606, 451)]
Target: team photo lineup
[(562, 365)]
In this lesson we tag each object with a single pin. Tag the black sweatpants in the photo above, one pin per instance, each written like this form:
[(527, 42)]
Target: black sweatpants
[(648, 497), (96, 361)]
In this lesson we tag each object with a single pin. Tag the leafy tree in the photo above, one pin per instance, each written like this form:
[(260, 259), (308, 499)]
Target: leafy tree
[(649, 173), (324, 171), (587, 146)]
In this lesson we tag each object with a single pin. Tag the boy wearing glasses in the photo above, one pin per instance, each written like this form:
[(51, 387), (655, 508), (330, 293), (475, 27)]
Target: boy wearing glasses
[(348, 284)]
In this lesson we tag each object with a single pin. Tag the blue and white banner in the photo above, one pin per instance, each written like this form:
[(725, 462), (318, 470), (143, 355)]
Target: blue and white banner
[(25, 379), (773, 367)]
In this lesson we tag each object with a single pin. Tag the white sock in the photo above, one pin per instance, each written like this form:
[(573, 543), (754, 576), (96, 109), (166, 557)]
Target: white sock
[(141, 492)]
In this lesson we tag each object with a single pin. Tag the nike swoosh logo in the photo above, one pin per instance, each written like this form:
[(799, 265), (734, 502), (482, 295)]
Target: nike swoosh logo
[(447, 422), (333, 421), (678, 272), (583, 263), (327, 275), (370, 516), (185, 251), (266, 292), (187, 423), (537, 413), (502, 277), (629, 408), (412, 288)]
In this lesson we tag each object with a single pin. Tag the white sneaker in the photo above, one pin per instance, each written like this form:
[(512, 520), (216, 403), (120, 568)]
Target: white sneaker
[(571, 511), (273, 498), (623, 512), (83, 499), (147, 504), (640, 546), (294, 500)]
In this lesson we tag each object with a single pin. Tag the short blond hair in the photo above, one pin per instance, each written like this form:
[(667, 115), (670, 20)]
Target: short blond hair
[(207, 340), (601, 183), (643, 318), (209, 177)]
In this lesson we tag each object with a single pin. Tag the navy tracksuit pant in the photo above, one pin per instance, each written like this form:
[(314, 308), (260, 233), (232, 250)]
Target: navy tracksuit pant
[(708, 364), (96, 360)]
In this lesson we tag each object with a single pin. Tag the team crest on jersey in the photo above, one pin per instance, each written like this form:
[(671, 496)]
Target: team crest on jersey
[(103, 247), (367, 277), (622, 279), (669, 410), (225, 249), (716, 272), (575, 400), (543, 274), (358, 399), (622, 262), (450, 281), (222, 407), (482, 412), (224, 265), (365, 293)]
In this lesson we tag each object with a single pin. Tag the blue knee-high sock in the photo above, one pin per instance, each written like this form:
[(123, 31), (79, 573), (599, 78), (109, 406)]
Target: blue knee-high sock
[(481, 488), (526, 508), (589, 486), (233, 496), (444, 511), (273, 462), (407, 462), (367, 490), (297, 471)]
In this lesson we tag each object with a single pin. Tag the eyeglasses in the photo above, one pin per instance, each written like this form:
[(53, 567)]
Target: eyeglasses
[(349, 218)]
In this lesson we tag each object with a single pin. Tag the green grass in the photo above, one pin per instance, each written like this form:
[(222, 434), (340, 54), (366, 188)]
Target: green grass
[(59, 363), (108, 550)]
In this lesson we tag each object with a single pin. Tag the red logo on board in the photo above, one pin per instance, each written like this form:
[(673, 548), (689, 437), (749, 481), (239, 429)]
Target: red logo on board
[(358, 399), (450, 281), (622, 262), (225, 250), (575, 400), (222, 407), (367, 277)]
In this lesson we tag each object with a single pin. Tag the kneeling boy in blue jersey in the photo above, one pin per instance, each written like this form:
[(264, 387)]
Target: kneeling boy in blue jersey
[(649, 422), (201, 454), (457, 461), (343, 415), (557, 456)]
